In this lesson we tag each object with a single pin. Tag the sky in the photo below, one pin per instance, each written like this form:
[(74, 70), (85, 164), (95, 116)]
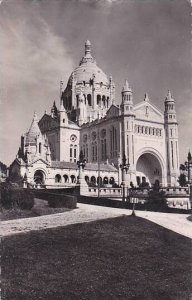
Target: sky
[(42, 41)]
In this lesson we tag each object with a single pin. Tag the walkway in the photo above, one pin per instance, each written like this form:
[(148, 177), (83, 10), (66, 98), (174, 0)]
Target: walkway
[(87, 213)]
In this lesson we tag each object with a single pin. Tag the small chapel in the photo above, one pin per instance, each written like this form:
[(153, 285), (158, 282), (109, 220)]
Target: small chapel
[(88, 120)]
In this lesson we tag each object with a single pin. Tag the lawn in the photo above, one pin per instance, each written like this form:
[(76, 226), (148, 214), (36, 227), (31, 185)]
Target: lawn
[(119, 258)]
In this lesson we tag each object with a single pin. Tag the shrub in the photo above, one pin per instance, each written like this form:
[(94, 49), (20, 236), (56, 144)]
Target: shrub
[(13, 196), (157, 198), (57, 200)]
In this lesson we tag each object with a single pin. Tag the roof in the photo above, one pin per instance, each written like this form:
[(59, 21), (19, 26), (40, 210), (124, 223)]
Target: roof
[(88, 166), (34, 130), (87, 68)]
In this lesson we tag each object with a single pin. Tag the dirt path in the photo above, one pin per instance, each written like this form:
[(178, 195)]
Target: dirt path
[(86, 213)]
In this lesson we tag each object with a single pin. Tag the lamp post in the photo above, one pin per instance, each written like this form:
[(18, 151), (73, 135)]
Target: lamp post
[(124, 168), (81, 165), (188, 165)]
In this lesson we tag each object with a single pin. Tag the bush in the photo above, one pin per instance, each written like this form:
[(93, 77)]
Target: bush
[(13, 196), (157, 198), (57, 200)]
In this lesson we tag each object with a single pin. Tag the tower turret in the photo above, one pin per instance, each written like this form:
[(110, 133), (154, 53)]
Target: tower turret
[(63, 116), (127, 99), (171, 130), (170, 112), (54, 110), (112, 91), (128, 119)]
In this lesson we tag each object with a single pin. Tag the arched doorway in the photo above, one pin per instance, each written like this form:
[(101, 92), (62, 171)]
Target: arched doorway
[(148, 170), (39, 177)]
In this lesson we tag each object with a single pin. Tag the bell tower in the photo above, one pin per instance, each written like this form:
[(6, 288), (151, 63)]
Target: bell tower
[(171, 131), (128, 120)]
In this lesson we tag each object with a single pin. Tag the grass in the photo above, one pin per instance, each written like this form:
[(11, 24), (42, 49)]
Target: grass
[(40, 208), (120, 258)]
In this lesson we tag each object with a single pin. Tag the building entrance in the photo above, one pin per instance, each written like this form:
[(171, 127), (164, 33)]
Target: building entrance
[(148, 170)]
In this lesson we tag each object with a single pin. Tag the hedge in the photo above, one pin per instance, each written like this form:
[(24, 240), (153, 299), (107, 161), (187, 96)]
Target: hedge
[(13, 196), (57, 199)]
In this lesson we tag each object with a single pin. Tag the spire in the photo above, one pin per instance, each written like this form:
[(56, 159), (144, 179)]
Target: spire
[(88, 56), (62, 108), (54, 110), (87, 47), (35, 116), (169, 96), (126, 87), (146, 97)]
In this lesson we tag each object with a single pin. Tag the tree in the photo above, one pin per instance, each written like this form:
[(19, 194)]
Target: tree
[(182, 167), (182, 180)]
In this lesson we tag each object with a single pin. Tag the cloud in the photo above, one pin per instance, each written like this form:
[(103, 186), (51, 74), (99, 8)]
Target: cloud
[(33, 60)]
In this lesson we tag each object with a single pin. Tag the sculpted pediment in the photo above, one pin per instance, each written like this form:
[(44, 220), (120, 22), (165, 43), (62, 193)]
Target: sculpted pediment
[(112, 112), (147, 111)]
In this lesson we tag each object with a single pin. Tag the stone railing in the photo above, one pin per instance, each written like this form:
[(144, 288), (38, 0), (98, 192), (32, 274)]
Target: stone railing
[(176, 191), (105, 192)]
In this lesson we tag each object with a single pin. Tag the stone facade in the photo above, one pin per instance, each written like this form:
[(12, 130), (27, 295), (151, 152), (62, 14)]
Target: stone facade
[(89, 119)]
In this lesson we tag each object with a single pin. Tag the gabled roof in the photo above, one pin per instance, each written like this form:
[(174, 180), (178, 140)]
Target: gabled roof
[(147, 111), (38, 160), (113, 111)]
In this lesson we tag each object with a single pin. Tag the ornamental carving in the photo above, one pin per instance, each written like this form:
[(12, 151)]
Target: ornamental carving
[(73, 138), (103, 133), (94, 135), (85, 138)]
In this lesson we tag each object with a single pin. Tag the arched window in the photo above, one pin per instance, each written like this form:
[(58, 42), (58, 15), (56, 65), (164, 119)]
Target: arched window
[(99, 100), (107, 102), (93, 152), (105, 180), (73, 179), (113, 140), (87, 179), (89, 99), (99, 180), (58, 178), (66, 178), (93, 179), (111, 180), (103, 100), (87, 153), (71, 153), (75, 153), (40, 148)]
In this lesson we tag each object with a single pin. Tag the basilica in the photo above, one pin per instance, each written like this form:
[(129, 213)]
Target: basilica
[(88, 119)]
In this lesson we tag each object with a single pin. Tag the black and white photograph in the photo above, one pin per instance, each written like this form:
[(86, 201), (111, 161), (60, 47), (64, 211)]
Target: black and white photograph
[(95, 150)]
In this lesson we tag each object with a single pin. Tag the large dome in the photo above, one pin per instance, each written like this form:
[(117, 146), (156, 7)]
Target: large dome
[(85, 73), (88, 68)]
